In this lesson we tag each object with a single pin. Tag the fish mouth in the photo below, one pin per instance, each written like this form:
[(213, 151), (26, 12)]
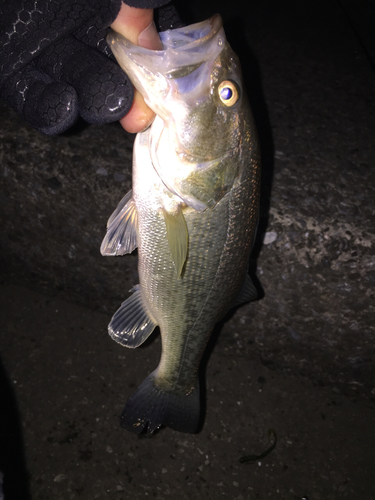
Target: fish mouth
[(176, 73), (175, 83)]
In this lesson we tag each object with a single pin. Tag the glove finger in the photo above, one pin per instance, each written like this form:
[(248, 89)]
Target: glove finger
[(49, 107), (28, 27), (105, 93), (167, 18)]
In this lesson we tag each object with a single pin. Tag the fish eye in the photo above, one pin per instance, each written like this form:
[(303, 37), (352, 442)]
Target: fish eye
[(228, 93)]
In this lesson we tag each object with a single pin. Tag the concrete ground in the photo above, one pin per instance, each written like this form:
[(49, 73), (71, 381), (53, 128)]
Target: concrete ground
[(292, 373)]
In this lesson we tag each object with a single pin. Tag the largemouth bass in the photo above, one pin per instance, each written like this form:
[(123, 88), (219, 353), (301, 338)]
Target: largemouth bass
[(192, 213)]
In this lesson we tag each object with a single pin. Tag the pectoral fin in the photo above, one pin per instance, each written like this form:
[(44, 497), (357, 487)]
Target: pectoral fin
[(177, 235), (121, 234), (131, 325), (210, 182)]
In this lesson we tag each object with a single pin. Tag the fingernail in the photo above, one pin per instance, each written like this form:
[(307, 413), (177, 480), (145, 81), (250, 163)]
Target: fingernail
[(149, 38), (148, 125)]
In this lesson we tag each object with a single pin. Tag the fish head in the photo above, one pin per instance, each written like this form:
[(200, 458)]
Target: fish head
[(194, 86)]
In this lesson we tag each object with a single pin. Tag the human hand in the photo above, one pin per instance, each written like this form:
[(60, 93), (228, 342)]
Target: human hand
[(55, 64), (137, 25)]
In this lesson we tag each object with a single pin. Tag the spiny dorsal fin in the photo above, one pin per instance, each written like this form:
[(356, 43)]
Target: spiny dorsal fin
[(121, 234), (131, 324), (177, 235)]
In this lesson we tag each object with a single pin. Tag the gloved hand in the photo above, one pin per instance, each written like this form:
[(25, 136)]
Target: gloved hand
[(56, 65)]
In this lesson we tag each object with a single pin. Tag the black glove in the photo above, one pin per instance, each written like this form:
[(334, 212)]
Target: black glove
[(56, 65)]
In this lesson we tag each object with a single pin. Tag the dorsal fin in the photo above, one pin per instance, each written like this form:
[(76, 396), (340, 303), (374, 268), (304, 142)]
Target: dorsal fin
[(247, 293)]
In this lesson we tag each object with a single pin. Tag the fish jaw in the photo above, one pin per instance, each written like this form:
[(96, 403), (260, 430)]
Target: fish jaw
[(180, 84), (195, 138), (155, 73)]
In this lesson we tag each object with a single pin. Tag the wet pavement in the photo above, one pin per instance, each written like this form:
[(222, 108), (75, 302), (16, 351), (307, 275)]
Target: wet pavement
[(298, 364)]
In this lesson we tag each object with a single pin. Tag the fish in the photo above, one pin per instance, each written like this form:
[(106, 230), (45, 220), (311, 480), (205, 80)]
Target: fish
[(192, 213)]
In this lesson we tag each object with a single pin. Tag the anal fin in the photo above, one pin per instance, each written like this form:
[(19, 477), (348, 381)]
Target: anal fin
[(131, 325)]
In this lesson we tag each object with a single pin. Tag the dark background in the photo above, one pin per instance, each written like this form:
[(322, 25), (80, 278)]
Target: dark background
[(299, 361)]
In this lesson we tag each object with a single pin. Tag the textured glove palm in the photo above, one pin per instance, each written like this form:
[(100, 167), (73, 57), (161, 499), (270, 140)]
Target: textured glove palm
[(55, 64)]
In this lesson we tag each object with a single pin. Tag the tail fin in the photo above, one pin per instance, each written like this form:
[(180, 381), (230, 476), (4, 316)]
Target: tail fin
[(150, 407)]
